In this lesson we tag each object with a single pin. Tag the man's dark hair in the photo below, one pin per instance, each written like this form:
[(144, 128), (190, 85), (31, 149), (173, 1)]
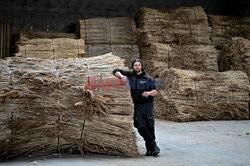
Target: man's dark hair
[(136, 60)]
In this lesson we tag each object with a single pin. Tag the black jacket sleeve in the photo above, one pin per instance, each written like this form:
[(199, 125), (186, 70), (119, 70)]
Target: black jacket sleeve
[(152, 84), (123, 72)]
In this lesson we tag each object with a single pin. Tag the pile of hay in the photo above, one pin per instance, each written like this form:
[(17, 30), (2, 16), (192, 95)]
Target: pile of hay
[(189, 95), (194, 57), (119, 30), (175, 38), (186, 25), (30, 34), (127, 52), (236, 56), (55, 48), (47, 107), (116, 35), (175, 46), (226, 27)]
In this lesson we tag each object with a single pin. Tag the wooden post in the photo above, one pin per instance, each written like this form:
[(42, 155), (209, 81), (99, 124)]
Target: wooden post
[(8, 27), (1, 41), (5, 39)]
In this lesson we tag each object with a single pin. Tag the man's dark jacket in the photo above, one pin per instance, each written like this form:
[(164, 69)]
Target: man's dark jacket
[(139, 84)]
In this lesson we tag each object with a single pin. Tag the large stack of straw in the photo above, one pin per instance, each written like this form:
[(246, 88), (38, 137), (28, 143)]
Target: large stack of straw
[(103, 35), (55, 48), (236, 56), (187, 25), (47, 107), (49, 45), (189, 95), (175, 47), (25, 35), (226, 27), (120, 30), (191, 57), (176, 38)]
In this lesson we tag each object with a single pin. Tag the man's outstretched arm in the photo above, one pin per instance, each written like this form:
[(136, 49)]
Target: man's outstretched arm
[(119, 73), (149, 93), (122, 74)]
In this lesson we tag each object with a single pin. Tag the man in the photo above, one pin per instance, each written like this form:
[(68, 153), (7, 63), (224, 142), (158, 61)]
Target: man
[(142, 88)]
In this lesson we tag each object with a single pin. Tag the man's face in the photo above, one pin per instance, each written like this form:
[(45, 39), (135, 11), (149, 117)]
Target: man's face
[(137, 67)]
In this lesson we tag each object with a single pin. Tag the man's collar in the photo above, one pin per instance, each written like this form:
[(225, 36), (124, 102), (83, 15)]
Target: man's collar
[(142, 73)]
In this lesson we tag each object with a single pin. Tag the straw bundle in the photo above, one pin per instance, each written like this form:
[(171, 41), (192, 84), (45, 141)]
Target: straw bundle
[(120, 30), (52, 48), (187, 25), (194, 57), (191, 95), (103, 35), (226, 27), (30, 34), (127, 52), (236, 56), (45, 108)]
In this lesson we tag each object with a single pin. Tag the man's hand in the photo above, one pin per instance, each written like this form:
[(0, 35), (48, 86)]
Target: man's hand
[(123, 80), (118, 74), (150, 93), (122, 77), (145, 94)]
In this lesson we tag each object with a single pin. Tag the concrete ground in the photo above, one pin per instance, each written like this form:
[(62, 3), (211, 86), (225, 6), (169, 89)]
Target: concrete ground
[(193, 143)]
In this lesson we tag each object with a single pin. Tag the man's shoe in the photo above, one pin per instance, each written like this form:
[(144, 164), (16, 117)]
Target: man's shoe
[(156, 151), (149, 153)]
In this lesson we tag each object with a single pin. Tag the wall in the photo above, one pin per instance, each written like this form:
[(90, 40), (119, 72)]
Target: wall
[(62, 14)]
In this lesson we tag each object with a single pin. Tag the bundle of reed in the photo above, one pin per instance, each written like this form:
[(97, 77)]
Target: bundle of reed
[(189, 95), (51, 48), (60, 106), (127, 52), (226, 27), (236, 56), (25, 35), (186, 25), (119, 30), (193, 57)]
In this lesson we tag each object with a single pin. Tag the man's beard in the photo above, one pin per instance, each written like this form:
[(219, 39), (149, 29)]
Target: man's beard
[(137, 71)]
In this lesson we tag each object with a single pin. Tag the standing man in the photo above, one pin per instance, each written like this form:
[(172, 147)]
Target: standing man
[(142, 88)]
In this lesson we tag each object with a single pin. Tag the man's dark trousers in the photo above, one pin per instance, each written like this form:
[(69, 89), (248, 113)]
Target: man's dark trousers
[(144, 121)]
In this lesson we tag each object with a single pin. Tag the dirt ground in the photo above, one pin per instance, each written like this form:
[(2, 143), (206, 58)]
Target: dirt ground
[(193, 143)]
